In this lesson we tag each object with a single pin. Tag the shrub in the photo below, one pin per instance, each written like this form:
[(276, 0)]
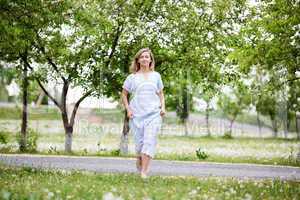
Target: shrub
[(3, 137), (227, 135), (201, 154), (31, 140), (115, 152)]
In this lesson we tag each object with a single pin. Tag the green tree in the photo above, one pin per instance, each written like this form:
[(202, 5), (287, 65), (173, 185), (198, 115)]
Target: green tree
[(236, 103), (18, 21), (270, 39)]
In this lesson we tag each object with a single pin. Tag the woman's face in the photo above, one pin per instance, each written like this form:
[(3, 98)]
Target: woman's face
[(145, 59)]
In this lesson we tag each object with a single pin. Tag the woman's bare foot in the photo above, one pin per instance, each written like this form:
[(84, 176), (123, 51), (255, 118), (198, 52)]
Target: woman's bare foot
[(139, 164)]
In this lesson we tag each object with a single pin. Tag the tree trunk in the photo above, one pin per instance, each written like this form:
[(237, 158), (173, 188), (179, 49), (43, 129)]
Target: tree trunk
[(288, 124), (68, 130), (285, 128), (275, 130), (124, 137), (207, 119), (298, 125), (40, 98), (230, 127), (259, 123), (24, 112), (68, 137), (185, 112), (68, 141), (186, 130), (298, 132)]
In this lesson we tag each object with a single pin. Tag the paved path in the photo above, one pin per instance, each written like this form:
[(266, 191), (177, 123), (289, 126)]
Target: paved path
[(159, 167)]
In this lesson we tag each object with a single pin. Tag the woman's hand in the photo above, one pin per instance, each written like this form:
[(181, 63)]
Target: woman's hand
[(162, 112), (129, 113), (162, 102)]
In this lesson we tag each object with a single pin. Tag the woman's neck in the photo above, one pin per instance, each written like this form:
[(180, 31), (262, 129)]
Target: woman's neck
[(144, 69)]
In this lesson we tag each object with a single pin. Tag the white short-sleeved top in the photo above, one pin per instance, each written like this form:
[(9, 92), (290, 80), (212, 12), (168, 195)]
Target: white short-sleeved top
[(145, 98), (133, 80)]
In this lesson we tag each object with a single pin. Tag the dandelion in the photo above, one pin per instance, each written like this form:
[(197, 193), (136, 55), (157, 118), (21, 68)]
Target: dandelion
[(205, 196), (232, 191), (227, 193), (247, 197), (6, 194), (50, 195), (110, 196), (193, 192), (46, 190), (260, 184)]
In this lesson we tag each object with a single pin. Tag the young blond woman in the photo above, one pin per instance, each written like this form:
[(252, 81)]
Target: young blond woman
[(146, 107)]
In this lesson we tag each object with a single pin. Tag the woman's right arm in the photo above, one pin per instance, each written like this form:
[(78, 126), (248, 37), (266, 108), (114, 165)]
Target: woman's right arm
[(125, 103)]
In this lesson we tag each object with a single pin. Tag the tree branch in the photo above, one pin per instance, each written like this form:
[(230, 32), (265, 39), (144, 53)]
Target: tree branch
[(64, 98), (115, 43), (291, 80), (48, 94), (41, 48), (287, 81), (41, 85), (76, 106)]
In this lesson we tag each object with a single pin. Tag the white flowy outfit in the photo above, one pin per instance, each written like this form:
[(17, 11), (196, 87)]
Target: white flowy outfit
[(146, 106)]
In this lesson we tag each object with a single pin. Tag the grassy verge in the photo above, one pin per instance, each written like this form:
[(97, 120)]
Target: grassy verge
[(245, 150), (107, 115), (42, 113), (30, 183)]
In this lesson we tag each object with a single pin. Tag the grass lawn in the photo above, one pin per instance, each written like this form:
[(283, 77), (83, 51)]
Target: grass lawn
[(44, 113), (30, 183)]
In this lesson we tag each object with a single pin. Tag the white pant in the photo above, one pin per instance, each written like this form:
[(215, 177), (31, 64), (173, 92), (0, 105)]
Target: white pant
[(145, 135)]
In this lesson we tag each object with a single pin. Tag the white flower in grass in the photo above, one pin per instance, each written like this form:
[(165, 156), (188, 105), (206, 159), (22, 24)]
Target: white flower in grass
[(227, 193), (110, 196), (247, 197), (260, 184), (232, 191), (5, 194), (205, 196), (193, 192), (50, 195), (46, 190)]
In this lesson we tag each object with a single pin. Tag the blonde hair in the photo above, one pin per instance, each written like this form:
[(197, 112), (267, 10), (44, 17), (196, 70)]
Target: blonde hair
[(135, 66)]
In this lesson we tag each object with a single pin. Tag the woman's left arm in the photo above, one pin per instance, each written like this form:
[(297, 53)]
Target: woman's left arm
[(162, 102)]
